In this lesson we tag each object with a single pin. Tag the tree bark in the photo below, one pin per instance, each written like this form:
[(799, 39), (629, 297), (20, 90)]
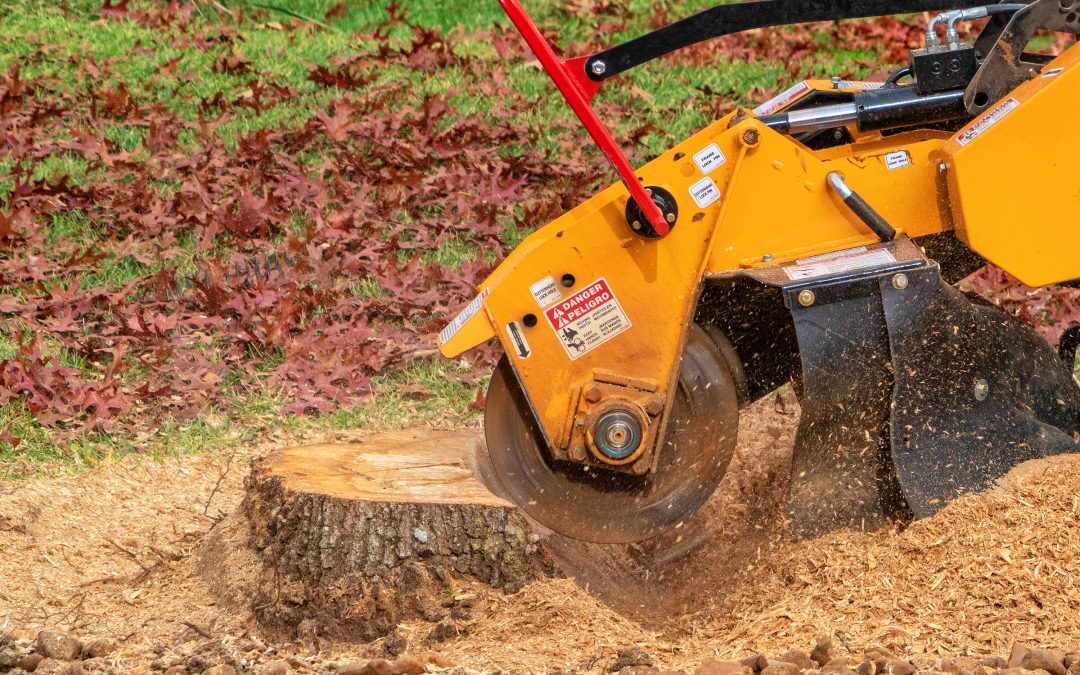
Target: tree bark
[(360, 537)]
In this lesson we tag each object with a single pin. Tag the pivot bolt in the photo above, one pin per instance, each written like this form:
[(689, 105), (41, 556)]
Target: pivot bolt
[(599, 67), (577, 453), (641, 467), (593, 393), (900, 282), (807, 298), (655, 406), (982, 389), (751, 137)]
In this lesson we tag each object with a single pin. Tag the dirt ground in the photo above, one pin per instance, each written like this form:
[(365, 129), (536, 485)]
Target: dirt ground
[(113, 553)]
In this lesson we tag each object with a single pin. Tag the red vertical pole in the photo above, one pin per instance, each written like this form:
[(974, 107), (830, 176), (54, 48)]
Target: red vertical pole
[(578, 90)]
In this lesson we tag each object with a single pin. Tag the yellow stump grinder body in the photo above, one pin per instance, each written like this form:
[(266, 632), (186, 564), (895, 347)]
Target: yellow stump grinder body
[(813, 240)]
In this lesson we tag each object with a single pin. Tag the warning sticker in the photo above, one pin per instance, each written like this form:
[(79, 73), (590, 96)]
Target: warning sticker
[(782, 100), (587, 319), (709, 159), (546, 291), (704, 192), (988, 120), (848, 84), (517, 338), (839, 262), (897, 160), (461, 319)]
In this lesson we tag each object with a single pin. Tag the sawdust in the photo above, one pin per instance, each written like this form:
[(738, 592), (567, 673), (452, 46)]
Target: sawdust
[(114, 553)]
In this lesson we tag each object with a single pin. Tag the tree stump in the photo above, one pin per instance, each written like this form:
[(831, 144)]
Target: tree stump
[(360, 537)]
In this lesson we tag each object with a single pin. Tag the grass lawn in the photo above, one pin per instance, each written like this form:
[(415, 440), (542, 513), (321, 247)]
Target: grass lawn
[(155, 149)]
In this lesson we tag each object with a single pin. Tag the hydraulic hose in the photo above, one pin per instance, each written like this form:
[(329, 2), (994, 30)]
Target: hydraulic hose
[(954, 17)]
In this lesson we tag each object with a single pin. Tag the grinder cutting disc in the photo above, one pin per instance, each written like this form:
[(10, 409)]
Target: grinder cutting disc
[(607, 507)]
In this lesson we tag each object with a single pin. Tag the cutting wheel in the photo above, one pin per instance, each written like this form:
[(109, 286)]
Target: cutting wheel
[(602, 506)]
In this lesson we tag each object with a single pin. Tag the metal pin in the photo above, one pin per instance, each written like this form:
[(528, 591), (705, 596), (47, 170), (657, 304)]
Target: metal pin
[(807, 298), (900, 282)]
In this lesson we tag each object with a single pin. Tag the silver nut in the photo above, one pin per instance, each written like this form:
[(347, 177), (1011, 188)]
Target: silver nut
[(807, 298), (599, 68), (900, 282), (768, 257)]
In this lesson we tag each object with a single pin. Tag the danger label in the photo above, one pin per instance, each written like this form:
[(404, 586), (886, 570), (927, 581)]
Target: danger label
[(988, 120), (587, 319)]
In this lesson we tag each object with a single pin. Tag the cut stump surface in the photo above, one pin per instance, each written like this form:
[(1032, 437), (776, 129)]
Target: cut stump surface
[(361, 536)]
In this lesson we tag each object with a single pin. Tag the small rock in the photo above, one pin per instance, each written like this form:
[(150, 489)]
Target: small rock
[(781, 668), (983, 670), (838, 670), (637, 670), (176, 670), (9, 660), (383, 667), (277, 668), (50, 666), (756, 663), (628, 657), (715, 667), (1017, 655), (822, 653), (436, 659), (841, 662), (955, 665), (30, 662), (223, 669), (867, 667), (1071, 659), (898, 667), (799, 658), (1074, 668), (96, 649), (1013, 671), (1042, 659), (442, 632), (878, 653), (57, 646), (995, 662), (395, 643)]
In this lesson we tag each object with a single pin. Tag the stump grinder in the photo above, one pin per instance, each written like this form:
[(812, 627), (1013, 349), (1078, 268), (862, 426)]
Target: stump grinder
[(814, 240)]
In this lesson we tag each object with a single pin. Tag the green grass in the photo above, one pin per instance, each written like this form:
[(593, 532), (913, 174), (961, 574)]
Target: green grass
[(425, 393)]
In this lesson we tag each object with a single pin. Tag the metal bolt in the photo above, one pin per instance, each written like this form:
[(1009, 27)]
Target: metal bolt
[(670, 218), (593, 393), (982, 389), (751, 137), (807, 298), (577, 453), (655, 406), (641, 467), (599, 67), (900, 282), (636, 224), (768, 257), (836, 82), (943, 167)]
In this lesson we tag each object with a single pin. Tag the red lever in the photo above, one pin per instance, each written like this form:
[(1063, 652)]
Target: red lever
[(578, 90)]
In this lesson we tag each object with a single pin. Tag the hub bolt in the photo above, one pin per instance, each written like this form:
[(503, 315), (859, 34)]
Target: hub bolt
[(599, 68), (593, 393), (900, 282), (655, 406), (807, 298), (641, 467)]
